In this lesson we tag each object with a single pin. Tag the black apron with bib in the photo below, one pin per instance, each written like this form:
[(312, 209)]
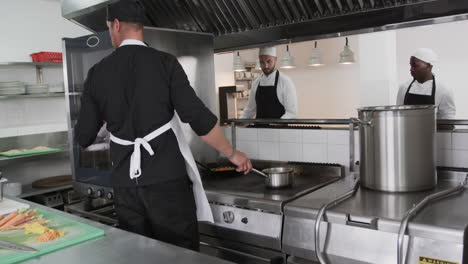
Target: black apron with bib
[(419, 99), (268, 104)]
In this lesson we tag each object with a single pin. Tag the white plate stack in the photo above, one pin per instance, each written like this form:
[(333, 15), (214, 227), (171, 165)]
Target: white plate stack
[(12, 88), (37, 88)]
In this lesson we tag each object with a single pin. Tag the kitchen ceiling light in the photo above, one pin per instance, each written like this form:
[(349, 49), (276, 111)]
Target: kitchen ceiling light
[(238, 66), (347, 55), (315, 59), (287, 62), (257, 65)]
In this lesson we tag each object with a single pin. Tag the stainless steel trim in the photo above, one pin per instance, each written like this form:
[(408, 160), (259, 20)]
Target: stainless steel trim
[(233, 135), (351, 146), (292, 121), (396, 107), (321, 212), (67, 103), (452, 121), (234, 251), (414, 211), (72, 8)]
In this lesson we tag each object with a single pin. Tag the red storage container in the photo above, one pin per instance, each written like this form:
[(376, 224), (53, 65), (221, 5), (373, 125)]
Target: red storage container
[(47, 57)]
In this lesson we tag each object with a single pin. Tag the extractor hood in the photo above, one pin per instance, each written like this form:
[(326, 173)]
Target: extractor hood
[(238, 24)]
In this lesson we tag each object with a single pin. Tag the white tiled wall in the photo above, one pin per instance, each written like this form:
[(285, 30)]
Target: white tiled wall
[(327, 146), (331, 146), (25, 116)]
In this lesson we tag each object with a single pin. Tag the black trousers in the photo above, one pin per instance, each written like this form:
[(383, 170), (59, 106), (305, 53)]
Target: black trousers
[(165, 212)]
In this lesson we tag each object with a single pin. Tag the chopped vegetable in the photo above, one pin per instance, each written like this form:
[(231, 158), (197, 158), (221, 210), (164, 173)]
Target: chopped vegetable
[(8, 218), (50, 235)]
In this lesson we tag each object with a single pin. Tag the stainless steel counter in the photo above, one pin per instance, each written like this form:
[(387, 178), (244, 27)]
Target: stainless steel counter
[(389, 208), (365, 227), (118, 246)]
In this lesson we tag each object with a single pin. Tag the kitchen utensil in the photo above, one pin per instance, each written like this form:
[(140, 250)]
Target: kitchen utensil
[(16, 247), (278, 177), (203, 166), (397, 145), (55, 181)]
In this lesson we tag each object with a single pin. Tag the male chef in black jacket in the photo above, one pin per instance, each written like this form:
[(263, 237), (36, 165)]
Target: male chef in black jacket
[(135, 91)]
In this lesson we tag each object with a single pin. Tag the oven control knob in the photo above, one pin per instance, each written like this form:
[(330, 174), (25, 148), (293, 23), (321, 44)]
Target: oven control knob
[(100, 193), (90, 191), (228, 217), (110, 195), (245, 220)]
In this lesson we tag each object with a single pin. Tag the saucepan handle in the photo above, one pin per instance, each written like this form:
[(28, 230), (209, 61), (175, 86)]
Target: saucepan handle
[(358, 121), (259, 172)]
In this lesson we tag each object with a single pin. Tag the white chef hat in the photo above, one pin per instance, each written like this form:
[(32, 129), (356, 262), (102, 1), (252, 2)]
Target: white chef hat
[(426, 55), (270, 51)]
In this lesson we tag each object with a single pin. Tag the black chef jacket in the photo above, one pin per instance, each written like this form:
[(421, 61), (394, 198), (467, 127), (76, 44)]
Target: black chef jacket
[(135, 90)]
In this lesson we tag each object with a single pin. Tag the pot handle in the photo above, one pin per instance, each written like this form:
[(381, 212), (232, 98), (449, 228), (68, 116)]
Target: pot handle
[(259, 172), (358, 121)]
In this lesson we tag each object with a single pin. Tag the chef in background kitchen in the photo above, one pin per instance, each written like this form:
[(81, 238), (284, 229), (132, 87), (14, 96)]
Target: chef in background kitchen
[(136, 90), (425, 88), (273, 94)]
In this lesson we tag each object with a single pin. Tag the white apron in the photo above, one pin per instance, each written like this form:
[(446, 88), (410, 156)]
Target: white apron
[(203, 208)]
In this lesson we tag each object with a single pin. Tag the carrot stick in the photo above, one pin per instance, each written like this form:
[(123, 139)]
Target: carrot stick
[(25, 220), (23, 225), (8, 218), (31, 213), (14, 220)]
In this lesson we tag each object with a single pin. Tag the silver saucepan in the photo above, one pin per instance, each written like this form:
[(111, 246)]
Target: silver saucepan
[(278, 177)]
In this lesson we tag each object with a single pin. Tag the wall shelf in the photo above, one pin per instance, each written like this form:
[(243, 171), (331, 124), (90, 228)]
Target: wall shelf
[(62, 152), (45, 95), (37, 64)]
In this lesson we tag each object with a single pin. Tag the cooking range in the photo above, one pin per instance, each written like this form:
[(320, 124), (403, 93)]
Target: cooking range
[(249, 216), (362, 225)]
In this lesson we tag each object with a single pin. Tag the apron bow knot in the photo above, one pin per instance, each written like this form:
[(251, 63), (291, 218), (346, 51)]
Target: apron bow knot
[(135, 159)]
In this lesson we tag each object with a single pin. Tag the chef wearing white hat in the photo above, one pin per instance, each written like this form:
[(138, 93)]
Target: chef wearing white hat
[(273, 95), (423, 89)]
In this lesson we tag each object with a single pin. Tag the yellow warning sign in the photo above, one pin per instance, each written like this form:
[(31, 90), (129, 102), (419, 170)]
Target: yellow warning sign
[(426, 260)]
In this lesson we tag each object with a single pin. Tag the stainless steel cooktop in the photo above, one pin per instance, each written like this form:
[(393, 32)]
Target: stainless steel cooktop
[(249, 190)]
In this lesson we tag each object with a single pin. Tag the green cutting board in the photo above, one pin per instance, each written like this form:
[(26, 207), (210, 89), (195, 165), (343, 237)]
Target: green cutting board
[(75, 233), (31, 152)]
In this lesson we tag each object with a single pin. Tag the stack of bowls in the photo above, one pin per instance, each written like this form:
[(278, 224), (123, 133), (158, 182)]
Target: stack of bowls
[(37, 88), (12, 88)]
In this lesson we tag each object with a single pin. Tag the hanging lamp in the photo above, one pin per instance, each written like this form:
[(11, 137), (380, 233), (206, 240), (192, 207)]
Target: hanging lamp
[(347, 55), (315, 59), (287, 62), (238, 65)]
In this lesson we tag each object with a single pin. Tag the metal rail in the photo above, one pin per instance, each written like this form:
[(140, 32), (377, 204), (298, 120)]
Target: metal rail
[(416, 209), (293, 121), (321, 213)]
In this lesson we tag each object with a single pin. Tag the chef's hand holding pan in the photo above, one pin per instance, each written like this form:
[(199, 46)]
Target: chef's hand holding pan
[(241, 161)]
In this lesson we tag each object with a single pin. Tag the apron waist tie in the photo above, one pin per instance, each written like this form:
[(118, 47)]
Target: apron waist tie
[(135, 159)]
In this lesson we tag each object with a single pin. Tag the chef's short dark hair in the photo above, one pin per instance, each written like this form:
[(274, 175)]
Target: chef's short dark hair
[(133, 25), (130, 11)]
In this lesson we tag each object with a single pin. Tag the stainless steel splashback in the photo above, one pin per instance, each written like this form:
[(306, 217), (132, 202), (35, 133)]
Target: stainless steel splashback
[(193, 50)]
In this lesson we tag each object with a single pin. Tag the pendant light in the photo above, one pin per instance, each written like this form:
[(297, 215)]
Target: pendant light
[(257, 65), (315, 59), (347, 55), (287, 62), (238, 66)]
